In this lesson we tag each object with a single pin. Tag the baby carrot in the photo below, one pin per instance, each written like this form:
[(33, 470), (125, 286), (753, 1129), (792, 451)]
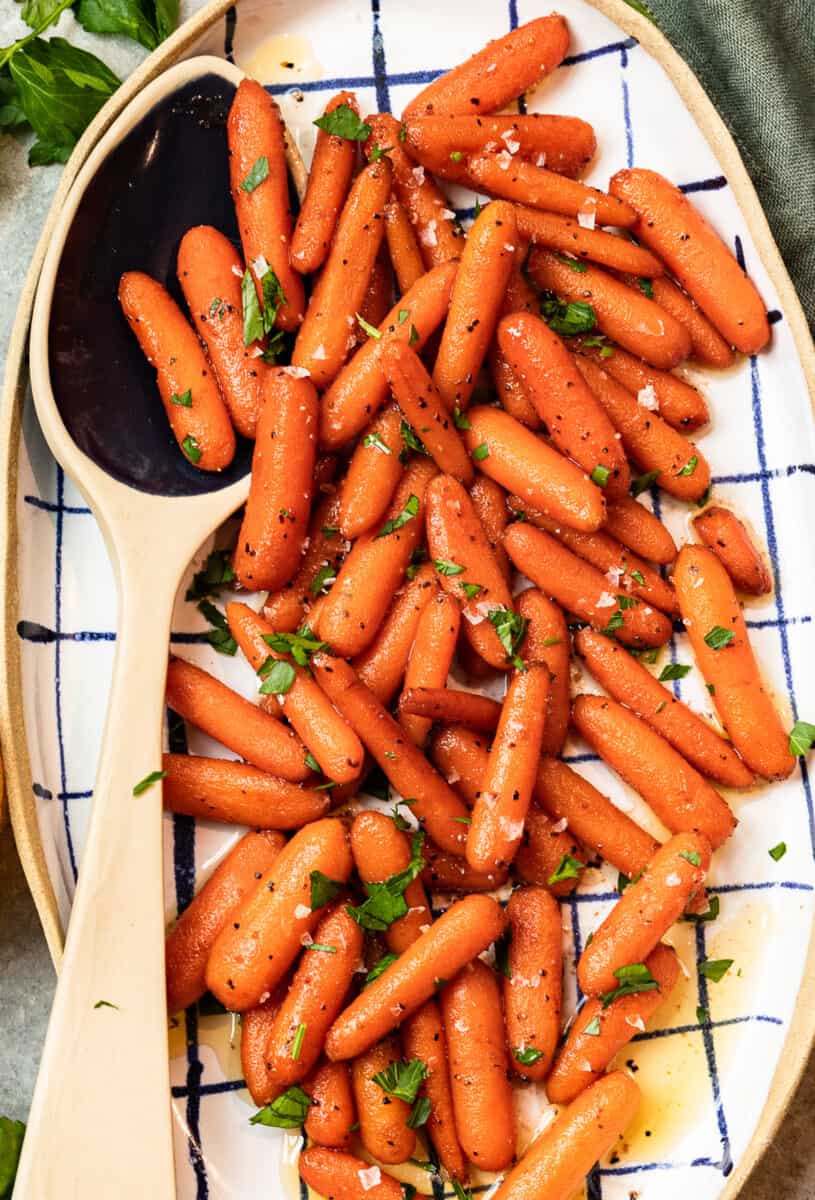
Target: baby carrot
[(328, 182), (451, 706), (670, 225), (381, 850), (489, 502), (721, 645), (339, 1176), (423, 409), (190, 941), (557, 1163), (519, 296), (383, 1118), (408, 264), (676, 401), (723, 533), (645, 911), (255, 1026), (379, 293), (565, 404), (382, 666), (627, 680), (446, 873), (544, 846), (547, 641), (323, 553), (423, 1039), (479, 1069), (279, 503), (461, 755), (452, 941), (442, 143), (373, 474), (532, 989), (260, 192), (187, 385), (235, 722), (431, 656), (709, 347), (637, 528), (219, 789), (567, 236), (253, 954), (511, 178), (332, 1112)]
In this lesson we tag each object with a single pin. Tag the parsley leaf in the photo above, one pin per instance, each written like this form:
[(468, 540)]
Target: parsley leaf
[(673, 671), (646, 287), (643, 482), (445, 567), (300, 645), (710, 913), (219, 637), (288, 1111), (379, 968), (511, 630), (633, 978), (527, 1056), (191, 448), (460, 419), (567, 868), (802, 735), (216, 573), (567, 319), (370, 329), (258, 172), (717, 638), (278, 679), (574, 264), (410, 438), (471, 590), (410, 511), (323, 579), (373, 439), (343, 122), (402, 1080), (323, 889), (104, 1004), (715, 969), (778, 852), (386, 900), (297, 1041), (600, 476), (184, 400), (419, 1113), (481, 452), (148, 782), (502, 954), (623, 881), (690, 465), (691, 856)]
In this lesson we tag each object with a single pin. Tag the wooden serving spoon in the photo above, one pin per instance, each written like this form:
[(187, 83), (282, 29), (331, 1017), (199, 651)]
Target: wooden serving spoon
[(100, 1121)]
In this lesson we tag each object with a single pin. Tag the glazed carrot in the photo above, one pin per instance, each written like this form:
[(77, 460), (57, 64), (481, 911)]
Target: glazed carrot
[(451, 706), (682, 799), (521, 182), (723, 533), (255, 1026), (637, 528), (219, 789), (625, 314), (416, 394), (500, 809), (709, 347), (452, 941), (383, 1118), (339, 1176), (519, 296), (486, 262), (329, 179), (565, 404), (378, 297), (585, 1056), (563, 234), (423, 1038), (287, 609), (479, 1068), (542, 850), (373, 474), (322, 340), (382, 666), (473, 667), (683, 471), (645, 911), (332, 1111), (431, 656), (557, 1163), (547, 641), (520, 60), (710, 610), (408, 264), (209, 270), (433, 803), (186, 382), (658, 391), (279, 503), (670, 225), (456, 536), (489, 502), (628, 681), (237, 723), (253, 954), (580, 588), (447, 873), (562, 144), (188, 945), (461, 755), (381, 850), (532, 992), (336, 747), (361, 388), (353, 610)]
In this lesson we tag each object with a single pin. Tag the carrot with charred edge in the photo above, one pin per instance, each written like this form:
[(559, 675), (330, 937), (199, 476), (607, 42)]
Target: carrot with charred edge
[(520, 60), (378, 295), (543, 848), (486, 262), (382, 666), (637, 528), (361, 388), (522, 183), (585, 1055), (209, 270), (416, 394), (332, 1112), (381, 850), (189, 392), (253, 954), (373, 474), (506, 790), (562, 233), (256, 135), (479, 1069), (455, 939), (557, 1163), (455, 535), (219, 789), (580, 588), (676, 401), (423, 1039), (533, 988), (255, 1026), (682, 799), (519, 296), (670, 225), (340, 1176), (443, 143), (433, 803), (383, 1119), (645, 911), (628, 681), (188, 945), (235, 722), (683, 471), (547, 641), (721, 645), (489, 502), (722, 532), (329, 179), (431, 656), (565, 404), (709, 347), (450, 706), (408, 264), (279, 503), (626, 314), (287, 609), (354, 608), (322, 341), (446, 873)]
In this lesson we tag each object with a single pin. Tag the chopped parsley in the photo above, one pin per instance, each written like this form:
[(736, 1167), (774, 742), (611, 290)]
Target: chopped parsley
[(643, 482), (481, 452), (277, 675), (216, 573), (379, 968), (600, 476), (297, 1041), (288, 1111), (148, 782), (370, 329), (567, 868), (460, 419), (343, 122), (802, 736), (690, 465), (184, 400), (402, 1080), (220, 636), (710, 914), (191, 448), (646, 287), (673, 671), (445, 567), (373, 439), (715, 969), (300, 645), (527, 1056), (323, 889), (717, 638), (778, 852), (633, 978), (258, 172), (385, 901), (567, 319), (322, 580), (471, 590), (410, 511)]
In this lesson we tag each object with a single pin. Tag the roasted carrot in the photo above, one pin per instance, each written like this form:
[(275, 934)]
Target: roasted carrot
[(447, 873), (323, 553), (547, 641), (723, 533), (423, 1039), (373, 474), (636, 527), (511, 178), (186, 382), (423, 408), (431, 656), (709, 347), (382, 666), (461, 756), (332, 1112), (721, 645), (219, 789), (579, 242), (676, 401), (378, 298), (381, 850), (544, 846), (443, 143), (451, 706), (329, 179), (408, 264), (255, 1025), (489, 502), (519, 296), (383, 1118), (339, 1176), (533, 986)]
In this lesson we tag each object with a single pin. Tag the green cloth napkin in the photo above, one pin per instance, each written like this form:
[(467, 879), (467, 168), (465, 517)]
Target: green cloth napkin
[(756, 60)]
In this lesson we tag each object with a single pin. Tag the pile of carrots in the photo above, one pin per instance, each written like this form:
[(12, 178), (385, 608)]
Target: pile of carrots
[(389, 508)]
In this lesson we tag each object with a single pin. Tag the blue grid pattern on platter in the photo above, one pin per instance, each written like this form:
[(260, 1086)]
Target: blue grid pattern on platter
[(195, 1089)]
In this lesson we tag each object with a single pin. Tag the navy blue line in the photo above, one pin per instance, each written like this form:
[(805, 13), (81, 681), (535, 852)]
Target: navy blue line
[(195, 1069), (704, 185), (639, 1168), (47, 506), (726, 1163), (599, 52), (63, 777), (766, 473), (230, 21), (629, 131), (383, 100), (653, 1034), (179, 1091), (761, 886)]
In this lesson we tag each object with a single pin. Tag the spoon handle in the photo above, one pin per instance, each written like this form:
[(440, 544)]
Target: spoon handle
[(100, 1122)]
